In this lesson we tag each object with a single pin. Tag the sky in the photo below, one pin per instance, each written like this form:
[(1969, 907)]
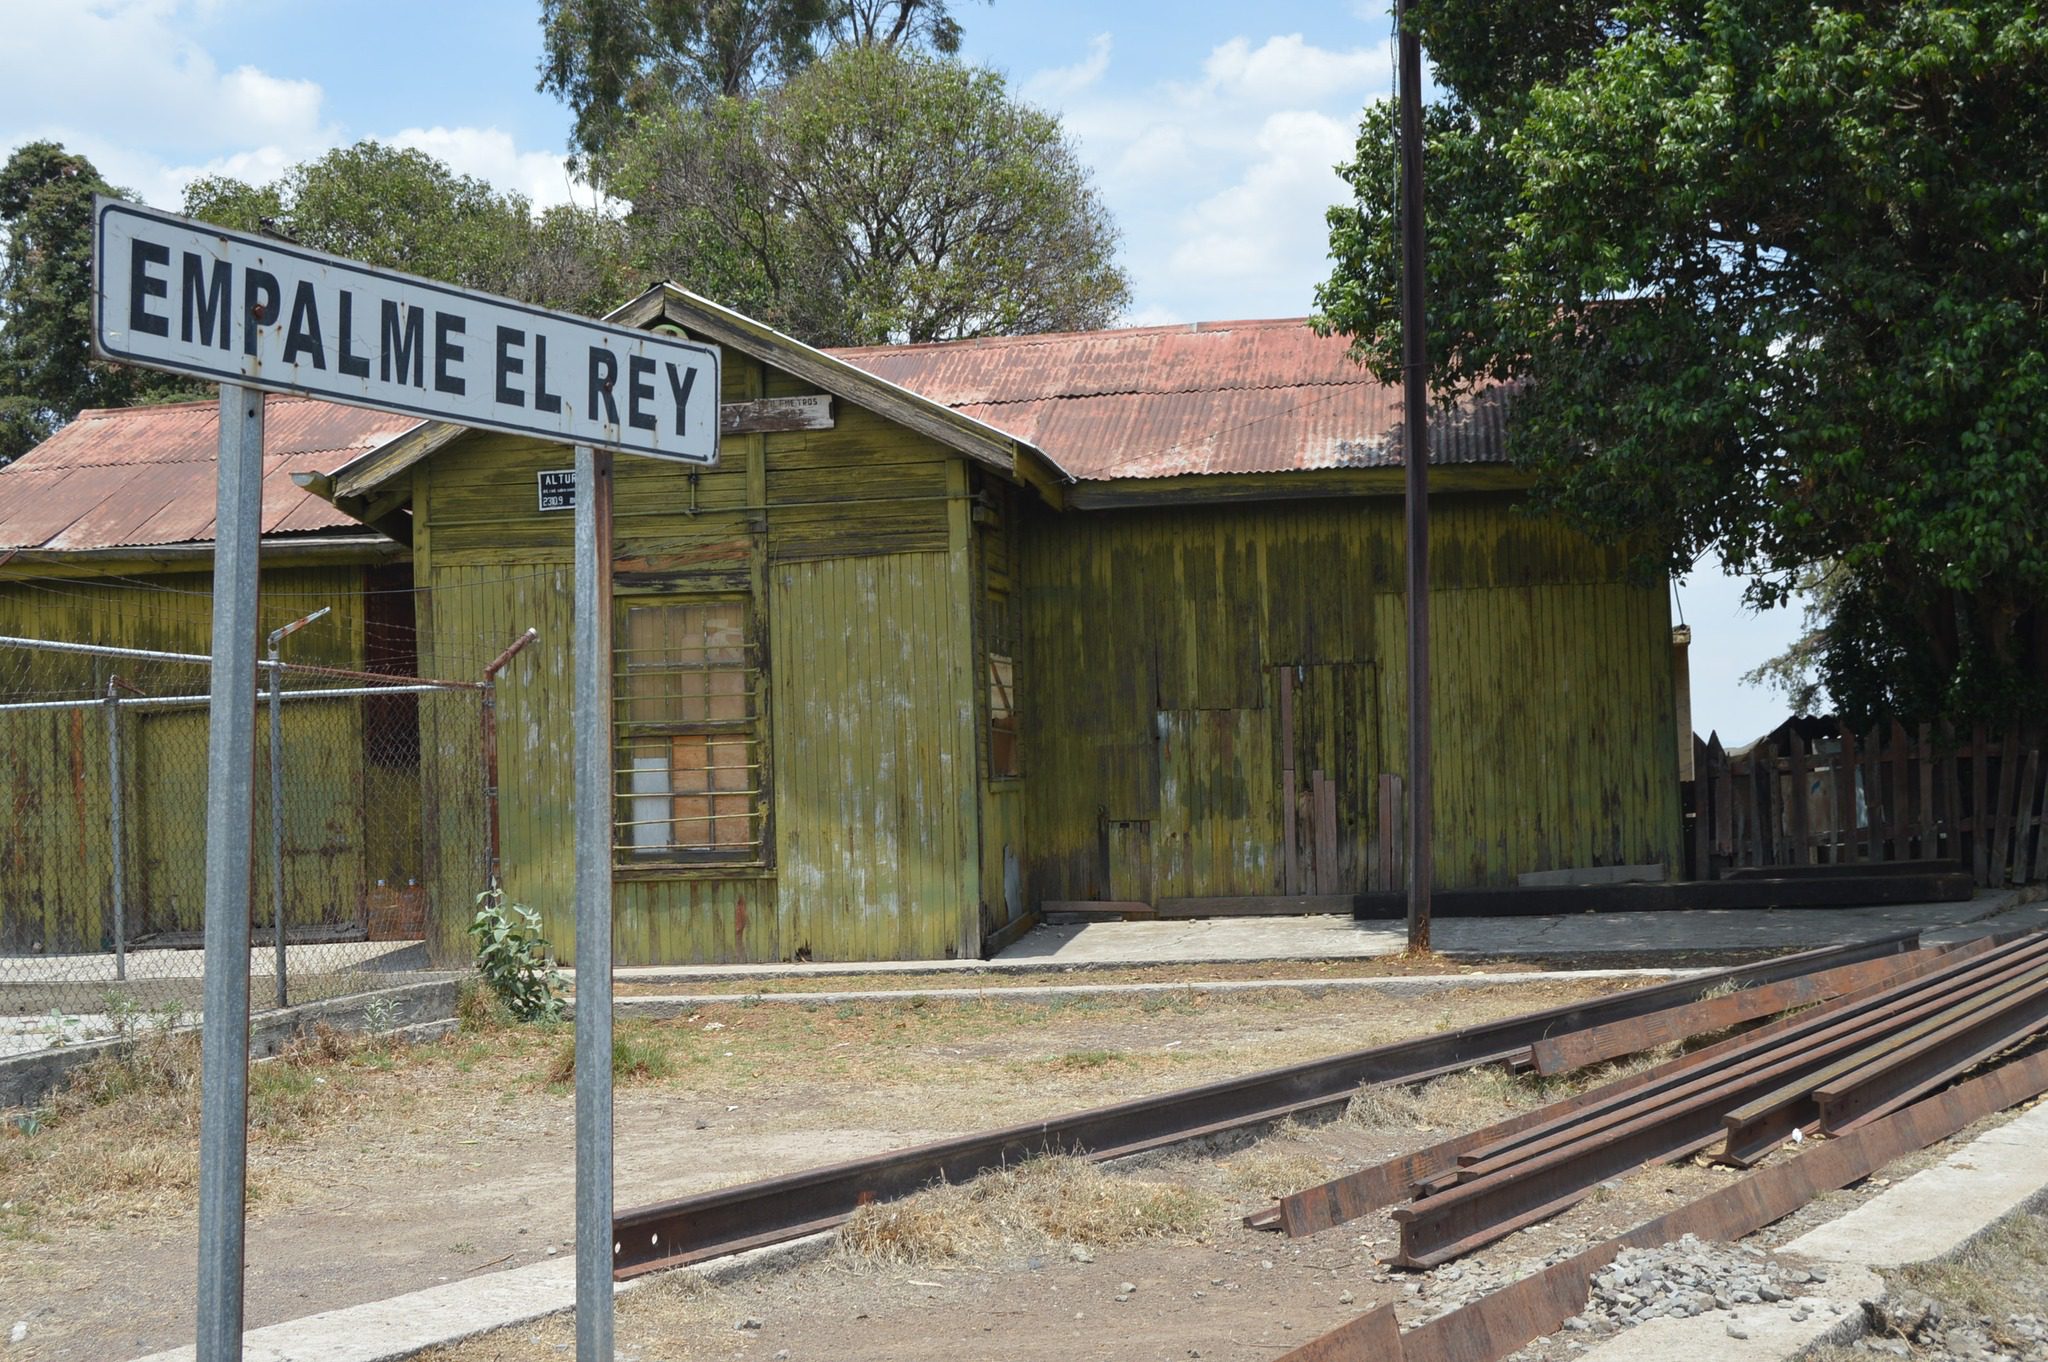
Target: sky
[(1212, 130)]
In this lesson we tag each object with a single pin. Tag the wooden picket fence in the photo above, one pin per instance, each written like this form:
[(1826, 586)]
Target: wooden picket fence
[(1889, 795)]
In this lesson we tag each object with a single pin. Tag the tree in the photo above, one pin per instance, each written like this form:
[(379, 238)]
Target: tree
[(615, 62), (403, 209), (47, 372), (1774, 280), (878, 195)]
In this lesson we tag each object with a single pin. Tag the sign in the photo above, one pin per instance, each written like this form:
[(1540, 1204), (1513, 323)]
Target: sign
[(171, 293), (557, 489), (775, 414)]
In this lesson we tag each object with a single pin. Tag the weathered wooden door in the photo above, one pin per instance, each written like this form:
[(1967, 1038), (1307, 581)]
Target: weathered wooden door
[(1327, 744)]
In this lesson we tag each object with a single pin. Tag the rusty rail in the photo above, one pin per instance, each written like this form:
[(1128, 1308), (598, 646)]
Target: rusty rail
[(1497, 1324), (1761, 1089), (1357, 1194), (729, 1220)]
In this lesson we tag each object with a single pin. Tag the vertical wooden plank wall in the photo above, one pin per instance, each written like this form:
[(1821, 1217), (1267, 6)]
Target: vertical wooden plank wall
[(54, 852), (854, 547), (1156, 637)]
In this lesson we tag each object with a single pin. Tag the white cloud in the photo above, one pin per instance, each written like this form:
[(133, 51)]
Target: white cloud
[(125, 71), (1287, 69), (1061, 81), (126, 83), (492, 155), (1220, 179), (1274, 213)]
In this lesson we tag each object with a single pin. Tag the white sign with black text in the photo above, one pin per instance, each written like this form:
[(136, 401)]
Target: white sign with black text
[(171, 293), (557, 489)]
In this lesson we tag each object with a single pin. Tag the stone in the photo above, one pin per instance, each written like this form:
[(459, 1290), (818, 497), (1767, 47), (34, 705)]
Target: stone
[(1345, 1298), (750, 1322), (1737, 1331), (1080, 1253)]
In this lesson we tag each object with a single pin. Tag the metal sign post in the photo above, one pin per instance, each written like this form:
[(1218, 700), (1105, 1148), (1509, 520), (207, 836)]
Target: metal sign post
[(591, 658), (230, 763), (171, 293)]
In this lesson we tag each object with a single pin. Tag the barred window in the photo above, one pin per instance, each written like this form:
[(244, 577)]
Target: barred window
[(689, 774)]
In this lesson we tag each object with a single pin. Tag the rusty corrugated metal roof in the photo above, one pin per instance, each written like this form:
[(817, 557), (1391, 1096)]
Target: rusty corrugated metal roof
[(140, 477), (1161, 401)]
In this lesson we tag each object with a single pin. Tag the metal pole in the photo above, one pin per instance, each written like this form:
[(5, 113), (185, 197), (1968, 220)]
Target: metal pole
[(118, 882), (277, 822), (1415, 444), (277, 638), (489, 719), (230, 757), (593, 909)]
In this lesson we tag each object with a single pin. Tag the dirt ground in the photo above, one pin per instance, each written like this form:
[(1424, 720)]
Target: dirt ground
[(384, 1171)]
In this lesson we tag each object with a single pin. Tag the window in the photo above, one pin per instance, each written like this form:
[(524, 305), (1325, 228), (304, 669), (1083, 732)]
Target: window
[(1002, 718), (689, 777), (999, 633)]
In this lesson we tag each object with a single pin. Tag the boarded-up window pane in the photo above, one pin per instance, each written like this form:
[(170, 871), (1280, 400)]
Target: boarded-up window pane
[(1002, 717), (688, 714)]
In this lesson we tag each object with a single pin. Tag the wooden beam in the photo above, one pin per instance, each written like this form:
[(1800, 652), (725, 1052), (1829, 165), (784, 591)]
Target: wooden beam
[(1111, 494)]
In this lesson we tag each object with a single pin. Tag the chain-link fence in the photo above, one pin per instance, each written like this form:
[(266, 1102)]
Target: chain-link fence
[(368, 821)]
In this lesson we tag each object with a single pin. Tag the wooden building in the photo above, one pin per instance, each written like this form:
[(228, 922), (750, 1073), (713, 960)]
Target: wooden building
[(106, 534), (955, 630)]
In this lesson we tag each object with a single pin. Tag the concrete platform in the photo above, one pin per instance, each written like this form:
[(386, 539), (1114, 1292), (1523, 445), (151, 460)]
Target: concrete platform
[(1579, 935)]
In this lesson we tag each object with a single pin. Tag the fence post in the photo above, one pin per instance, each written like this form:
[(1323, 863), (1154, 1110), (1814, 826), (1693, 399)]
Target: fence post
[(277, 637), (489, 718), (119, 904)]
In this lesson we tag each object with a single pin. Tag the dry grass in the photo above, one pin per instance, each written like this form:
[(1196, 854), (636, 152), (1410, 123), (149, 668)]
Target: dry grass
[(640, 1053), (1267, 1170), (1472, 1098), (122, 1136), (2003, 1273), (1460, 1101), (1041, 1202)]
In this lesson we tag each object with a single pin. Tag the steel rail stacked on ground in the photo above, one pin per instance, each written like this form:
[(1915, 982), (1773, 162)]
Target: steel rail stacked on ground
[(731, 1220)]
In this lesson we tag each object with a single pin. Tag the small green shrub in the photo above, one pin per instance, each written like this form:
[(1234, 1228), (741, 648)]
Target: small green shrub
[(515, 960)]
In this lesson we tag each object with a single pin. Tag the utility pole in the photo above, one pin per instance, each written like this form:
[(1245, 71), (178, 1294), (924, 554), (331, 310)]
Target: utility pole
[(1415, 453)]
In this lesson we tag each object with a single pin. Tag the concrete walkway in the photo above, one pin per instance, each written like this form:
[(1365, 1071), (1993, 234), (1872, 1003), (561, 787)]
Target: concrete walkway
[(1582, 935), (1208, 941)]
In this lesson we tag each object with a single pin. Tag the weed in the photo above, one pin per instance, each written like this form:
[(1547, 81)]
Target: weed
[(636, 1056), (515, 960), (1082, 1061)]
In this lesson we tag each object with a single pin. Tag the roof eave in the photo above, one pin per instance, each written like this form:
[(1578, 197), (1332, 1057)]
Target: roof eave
[(351, 487)]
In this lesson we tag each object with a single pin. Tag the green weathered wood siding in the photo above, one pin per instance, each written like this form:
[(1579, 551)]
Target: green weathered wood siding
[(853, 547), (55, 852), (1153, 737)]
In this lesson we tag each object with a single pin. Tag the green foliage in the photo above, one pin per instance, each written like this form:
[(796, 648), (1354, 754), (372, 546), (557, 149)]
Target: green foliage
[(47, 372), (879, 195), (514, 960), (614, 62), (402, 209), (1775, 277)]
